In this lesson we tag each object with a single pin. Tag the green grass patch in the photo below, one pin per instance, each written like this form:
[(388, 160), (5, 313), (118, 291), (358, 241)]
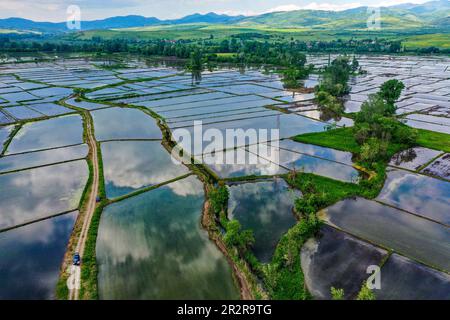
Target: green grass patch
[(89, 288), (433, 140), (339, 139), (62, 290), (333, 189), (438, 40)]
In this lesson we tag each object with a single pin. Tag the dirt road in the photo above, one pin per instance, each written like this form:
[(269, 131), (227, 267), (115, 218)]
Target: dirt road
[(74, 281)]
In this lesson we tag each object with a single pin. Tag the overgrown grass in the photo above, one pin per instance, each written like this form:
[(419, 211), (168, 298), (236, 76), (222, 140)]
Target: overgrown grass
[(62, 290)]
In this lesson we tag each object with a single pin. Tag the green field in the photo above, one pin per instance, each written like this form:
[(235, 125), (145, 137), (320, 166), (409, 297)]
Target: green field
[(439, 40), (220, 32)]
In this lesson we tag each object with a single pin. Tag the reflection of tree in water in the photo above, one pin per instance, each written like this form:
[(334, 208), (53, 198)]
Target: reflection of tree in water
[(327, 115), (266, 208), (404, 156), (196, 77)]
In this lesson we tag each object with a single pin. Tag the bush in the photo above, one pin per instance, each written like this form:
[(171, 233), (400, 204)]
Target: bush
[(337, 294), (241, 239), (373, 150), (219, 198), (390, 92), (365, 293)]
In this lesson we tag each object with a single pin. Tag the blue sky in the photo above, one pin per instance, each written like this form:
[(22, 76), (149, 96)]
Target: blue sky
[(55, 10)]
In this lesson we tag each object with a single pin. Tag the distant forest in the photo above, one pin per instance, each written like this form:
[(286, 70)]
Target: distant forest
[(240, 48)]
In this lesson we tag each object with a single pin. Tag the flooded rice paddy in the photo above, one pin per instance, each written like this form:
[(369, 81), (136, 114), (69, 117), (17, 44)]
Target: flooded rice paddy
[(132, 165), (152, 245), (266, 208), (34, 194), (30, 258)]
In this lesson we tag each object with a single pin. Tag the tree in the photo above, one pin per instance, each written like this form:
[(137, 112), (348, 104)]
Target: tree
[(374, 149), (391, 91), (196, 60), (335, 77), (219, 198), (242, 239), (290, 80), (355, 64), (328, 102)]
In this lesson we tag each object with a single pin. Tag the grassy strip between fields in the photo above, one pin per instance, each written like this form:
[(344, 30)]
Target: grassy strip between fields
[(9, 139), (89, 290), (62, 291)]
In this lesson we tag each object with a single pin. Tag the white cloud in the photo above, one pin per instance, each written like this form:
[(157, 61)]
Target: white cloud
[(391, 3), (287, 7), (316, 6)]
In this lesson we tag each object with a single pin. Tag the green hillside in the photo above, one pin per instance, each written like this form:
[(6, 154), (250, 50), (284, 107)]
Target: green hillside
[(391, 18)]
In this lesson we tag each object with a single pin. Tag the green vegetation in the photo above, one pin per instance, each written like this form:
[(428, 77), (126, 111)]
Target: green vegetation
[(8, 141), (390, 92), (333, 84), (340, 139), (219, 198), (433, 140), (235, 236), (337, 294), (283, 276), (377, 129), (196, 61), (365, 293), (427, 42), (88, 290), (62, 291), (320, 192), (294, 62)]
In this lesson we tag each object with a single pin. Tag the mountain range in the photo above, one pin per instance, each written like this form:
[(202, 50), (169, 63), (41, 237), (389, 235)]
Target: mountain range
[(433, 14)]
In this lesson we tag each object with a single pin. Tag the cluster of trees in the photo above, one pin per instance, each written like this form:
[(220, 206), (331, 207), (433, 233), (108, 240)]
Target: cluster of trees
[(376, 126), (295, 69), (245, 48), (234, 236), (334, 84)]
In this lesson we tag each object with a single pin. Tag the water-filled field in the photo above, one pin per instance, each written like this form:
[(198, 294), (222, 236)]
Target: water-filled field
[(151, 243), (152, 247)]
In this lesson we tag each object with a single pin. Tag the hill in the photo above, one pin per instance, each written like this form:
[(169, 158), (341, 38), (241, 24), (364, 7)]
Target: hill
[(430, 15)]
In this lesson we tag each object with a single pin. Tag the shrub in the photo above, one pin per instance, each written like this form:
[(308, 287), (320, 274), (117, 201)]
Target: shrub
[(365, 293), (373, 150), (337, 294), (219, 198)]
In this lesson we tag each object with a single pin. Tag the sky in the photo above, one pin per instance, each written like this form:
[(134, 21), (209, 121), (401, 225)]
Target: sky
[(56, 10)]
